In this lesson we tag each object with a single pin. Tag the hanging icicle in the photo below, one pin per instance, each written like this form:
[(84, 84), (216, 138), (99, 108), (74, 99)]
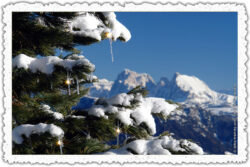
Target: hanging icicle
[(126, 138), (111, 50), (67, 82), (77, 86), (118, 131), (91, 77), (109, 36), (88, 136), (51, 85), (60, 144)]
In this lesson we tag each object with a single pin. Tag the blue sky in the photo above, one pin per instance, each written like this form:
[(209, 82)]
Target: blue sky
[(203, 44)]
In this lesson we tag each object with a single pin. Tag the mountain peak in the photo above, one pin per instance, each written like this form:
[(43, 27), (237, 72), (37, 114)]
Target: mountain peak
[(196, 91), (127, 74), (129, 79), (176, 74), (131, 72), (191, 84), (182, 88), (126, 70)]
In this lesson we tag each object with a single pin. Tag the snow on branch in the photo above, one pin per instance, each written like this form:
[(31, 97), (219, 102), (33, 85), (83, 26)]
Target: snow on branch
[(165, 145), (28, 129), (89, 25), (118, 30), (47, 64), (46, 108), (121, 105), (76, 116)]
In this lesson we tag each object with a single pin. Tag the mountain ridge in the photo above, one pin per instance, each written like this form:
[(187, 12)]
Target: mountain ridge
[(181, 88), (206, 117)]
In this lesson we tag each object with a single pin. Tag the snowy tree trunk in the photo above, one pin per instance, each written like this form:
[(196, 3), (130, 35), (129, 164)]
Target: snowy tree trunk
[(77, 86)]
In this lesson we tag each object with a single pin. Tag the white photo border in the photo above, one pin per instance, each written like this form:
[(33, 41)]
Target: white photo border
[(132, 7)]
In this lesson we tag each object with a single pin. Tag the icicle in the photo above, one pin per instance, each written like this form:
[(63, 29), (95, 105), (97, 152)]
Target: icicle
[(77, 86), (111, 50), (60, 143), (68, 81), (91, 77), (88, 136), (51, 85), (118, 131), (126, 138)]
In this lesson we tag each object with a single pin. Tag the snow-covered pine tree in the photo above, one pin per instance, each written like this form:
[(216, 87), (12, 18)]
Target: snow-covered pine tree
[(131, 117), (48, 117), (43, 118)]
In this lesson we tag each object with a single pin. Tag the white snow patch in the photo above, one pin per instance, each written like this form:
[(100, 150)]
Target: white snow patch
[(165, 145), (182, 145), (117, 29), (28, 129), (88, 25), (46, 64), (124, 117), (56, 115), (141, 114), (76, 116), (120, 99)]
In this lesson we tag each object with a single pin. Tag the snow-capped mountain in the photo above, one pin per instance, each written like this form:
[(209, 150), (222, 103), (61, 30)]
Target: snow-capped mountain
[(205, 116), (128, 80), (182, 88), (191, 90)]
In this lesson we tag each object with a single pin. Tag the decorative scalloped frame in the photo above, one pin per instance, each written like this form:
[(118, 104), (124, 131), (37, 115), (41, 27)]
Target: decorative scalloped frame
[(130, 6)]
